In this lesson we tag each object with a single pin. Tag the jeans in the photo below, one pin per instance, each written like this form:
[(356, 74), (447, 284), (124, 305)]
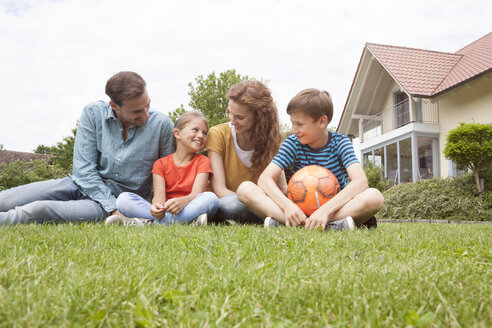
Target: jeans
[(230, 208), (132, 205), (58, 200)]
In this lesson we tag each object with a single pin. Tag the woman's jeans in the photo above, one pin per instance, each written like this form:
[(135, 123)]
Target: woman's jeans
[(132, 205), (58, 200), (230, 208)]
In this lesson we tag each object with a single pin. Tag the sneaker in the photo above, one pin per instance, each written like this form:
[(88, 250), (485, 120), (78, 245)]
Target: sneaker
[(343, 224), (201, 220), (372, 223), (229, 222), (123, 220), (270, 223)]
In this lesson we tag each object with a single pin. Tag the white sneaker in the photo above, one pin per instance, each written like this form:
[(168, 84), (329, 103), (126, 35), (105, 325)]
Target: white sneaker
[(201, 220), (270, 223), (123, 220), (343, 224)]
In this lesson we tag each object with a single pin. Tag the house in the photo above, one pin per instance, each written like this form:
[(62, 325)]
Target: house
[(7, 156), (404, 101)]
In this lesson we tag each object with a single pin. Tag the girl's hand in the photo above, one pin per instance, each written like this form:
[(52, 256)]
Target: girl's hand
[(293, 215), (157, 210), (175, 205)]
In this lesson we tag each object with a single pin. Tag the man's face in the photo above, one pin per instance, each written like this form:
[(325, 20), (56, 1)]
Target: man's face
[(133, 111)]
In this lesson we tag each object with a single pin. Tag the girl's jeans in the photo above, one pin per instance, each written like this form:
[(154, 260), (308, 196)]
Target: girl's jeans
[(134, 206)]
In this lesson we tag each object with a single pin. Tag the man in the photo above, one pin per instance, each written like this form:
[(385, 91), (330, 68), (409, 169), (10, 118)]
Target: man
[(115, 147)]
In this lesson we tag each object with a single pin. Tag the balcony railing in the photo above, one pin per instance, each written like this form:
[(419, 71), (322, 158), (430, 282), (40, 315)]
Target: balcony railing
[(398, 116)]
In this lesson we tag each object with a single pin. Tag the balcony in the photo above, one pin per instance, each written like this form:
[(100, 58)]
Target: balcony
[(397, 116)]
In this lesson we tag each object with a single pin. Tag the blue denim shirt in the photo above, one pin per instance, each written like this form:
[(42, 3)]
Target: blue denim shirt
[(104, 165)]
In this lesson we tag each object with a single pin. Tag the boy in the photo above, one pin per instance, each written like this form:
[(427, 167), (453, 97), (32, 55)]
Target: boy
[(311, 143)]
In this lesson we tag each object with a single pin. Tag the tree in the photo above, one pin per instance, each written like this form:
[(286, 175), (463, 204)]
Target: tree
[(63, 151), (470, 145), (208, 95)]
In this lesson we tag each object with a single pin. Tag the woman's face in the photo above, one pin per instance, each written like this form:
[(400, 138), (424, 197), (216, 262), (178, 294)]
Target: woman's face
[(242, 118)]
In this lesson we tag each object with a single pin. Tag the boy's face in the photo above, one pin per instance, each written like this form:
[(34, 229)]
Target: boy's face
[(309, 131)]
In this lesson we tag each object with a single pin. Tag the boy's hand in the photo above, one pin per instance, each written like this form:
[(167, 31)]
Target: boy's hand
[(157, 210), (316, 220), (175, 205), (293, 215)]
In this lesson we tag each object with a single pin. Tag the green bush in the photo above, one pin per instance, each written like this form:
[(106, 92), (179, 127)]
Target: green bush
[(438, 199), (18, 173), (375, 177)]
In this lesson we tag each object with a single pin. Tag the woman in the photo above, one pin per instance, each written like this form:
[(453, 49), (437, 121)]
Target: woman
[(241, 149)]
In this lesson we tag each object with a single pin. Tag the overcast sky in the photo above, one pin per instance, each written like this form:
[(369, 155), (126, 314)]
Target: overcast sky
[(56, 56)]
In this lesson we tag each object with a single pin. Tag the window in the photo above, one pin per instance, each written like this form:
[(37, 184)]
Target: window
[(401, 113)]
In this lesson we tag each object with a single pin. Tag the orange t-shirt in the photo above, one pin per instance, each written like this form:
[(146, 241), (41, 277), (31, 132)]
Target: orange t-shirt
[(179, 179)]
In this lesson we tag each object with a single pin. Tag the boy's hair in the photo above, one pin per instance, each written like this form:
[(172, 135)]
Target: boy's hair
[(125, 85), (312, 102)]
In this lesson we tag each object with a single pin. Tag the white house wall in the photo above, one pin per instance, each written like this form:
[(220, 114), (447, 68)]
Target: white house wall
[(466, 103)]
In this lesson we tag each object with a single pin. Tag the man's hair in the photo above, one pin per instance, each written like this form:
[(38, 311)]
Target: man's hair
[(125, 85), (312, 102)]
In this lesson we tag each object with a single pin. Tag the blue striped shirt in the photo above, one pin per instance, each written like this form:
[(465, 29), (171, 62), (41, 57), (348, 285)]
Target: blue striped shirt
[(336, 155)]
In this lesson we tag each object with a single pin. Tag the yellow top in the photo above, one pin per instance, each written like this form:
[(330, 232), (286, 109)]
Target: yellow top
[(220, 140)]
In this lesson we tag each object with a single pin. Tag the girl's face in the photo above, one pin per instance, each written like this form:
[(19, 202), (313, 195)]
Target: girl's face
[(242, 118), (193, 136)]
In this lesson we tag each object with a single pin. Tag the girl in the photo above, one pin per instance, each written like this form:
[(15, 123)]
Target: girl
[(179, 180)]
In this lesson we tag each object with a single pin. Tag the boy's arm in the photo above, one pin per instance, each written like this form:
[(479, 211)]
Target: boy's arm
[(325, 214), (175, 205), (218, 180), (293, 215)]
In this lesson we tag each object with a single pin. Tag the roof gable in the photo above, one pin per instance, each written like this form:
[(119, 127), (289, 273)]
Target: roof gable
[(427, 73), (418, 71), (476, 60)]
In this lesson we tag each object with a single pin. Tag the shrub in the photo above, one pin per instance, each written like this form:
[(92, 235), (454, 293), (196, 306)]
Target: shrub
[(18, 173), (375, 177), (438, 199)]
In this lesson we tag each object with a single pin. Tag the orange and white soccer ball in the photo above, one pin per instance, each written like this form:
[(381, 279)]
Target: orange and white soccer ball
[(311, 187)]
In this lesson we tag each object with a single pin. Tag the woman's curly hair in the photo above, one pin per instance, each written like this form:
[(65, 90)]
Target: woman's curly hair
[(266, 134)]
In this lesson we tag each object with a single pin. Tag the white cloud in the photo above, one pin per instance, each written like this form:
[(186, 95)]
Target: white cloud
[(55, 56)]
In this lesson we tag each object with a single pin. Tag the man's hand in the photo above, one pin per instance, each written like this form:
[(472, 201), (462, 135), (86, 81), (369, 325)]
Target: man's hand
[(157, 210), (293, 215), (175, 205)]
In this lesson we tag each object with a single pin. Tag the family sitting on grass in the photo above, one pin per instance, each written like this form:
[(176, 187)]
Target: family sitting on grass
[(122, 147)]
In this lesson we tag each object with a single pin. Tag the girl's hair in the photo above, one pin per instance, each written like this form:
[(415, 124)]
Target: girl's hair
[(185, 118), (266, 135)]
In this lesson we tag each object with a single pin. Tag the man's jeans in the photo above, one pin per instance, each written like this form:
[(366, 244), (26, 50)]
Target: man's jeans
[(134, 206), (230, 208), (58, 200)]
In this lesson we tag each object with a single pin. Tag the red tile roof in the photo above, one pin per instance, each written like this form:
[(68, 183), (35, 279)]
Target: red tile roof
[(428, 73), (7, 156)]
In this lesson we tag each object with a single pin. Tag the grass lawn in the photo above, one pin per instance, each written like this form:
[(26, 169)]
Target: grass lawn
[(422, 275)]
